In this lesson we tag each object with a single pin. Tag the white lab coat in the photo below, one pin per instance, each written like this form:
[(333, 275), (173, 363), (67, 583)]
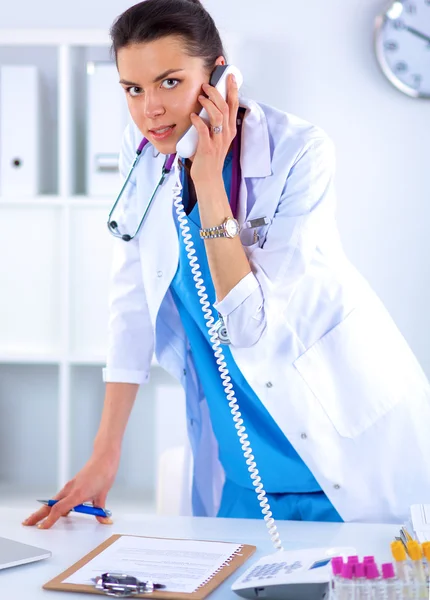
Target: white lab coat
[(310, 336)]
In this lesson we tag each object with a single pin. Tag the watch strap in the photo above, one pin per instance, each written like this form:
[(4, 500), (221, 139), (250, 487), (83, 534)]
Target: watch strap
[(213, 232)]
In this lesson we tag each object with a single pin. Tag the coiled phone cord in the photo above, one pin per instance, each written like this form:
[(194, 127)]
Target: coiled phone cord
[(220, 359)]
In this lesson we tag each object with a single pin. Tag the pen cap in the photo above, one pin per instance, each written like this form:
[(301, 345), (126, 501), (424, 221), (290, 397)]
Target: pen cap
[(414, 550), (371, 570), (387, 571), (398, 551), (347, 571)]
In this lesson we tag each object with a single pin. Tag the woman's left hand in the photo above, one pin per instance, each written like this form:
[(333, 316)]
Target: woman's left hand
[(212, 147)]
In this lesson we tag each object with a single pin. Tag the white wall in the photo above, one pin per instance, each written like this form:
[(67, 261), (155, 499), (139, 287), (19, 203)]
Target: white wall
[(315, 59)]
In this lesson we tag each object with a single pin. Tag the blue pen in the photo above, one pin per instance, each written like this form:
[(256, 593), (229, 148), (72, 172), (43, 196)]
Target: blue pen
[(86, 509)]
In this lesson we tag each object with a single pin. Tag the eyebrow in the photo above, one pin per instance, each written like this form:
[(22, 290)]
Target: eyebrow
[(159, 78)]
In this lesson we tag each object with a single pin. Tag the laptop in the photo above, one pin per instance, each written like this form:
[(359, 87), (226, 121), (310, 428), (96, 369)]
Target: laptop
[(16, 553)]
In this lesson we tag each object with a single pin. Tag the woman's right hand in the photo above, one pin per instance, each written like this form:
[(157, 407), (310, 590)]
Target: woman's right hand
[(91, 484)]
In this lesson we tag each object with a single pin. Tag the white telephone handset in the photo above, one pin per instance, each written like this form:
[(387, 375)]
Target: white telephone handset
[(187, 145)]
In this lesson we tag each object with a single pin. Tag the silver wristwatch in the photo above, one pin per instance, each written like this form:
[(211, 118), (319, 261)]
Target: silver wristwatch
[(228, 229)]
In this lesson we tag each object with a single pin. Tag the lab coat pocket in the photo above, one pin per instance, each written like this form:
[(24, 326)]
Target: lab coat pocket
[(360, 370), (250, 240)]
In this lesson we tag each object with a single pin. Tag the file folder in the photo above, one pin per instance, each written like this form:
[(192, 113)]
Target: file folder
[(107, 117), (19, 131)]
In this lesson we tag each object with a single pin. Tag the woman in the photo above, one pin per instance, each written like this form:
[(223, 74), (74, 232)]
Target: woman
[(335, 404)]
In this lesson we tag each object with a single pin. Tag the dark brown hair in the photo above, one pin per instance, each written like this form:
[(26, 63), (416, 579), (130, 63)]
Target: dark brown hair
[(152, 20)]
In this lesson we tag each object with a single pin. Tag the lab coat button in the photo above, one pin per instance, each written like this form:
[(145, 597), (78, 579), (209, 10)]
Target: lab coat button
[(304, 436), (185, 371), (159, 273), (269, 384), (336, 486)]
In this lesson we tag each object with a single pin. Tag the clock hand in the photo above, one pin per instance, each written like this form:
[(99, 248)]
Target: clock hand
[(424, 37)]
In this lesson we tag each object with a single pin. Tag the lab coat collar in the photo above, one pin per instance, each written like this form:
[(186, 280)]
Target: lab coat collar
[(255, 159)]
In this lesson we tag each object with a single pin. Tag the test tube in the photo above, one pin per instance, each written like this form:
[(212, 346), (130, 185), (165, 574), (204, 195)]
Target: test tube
[(336, 567), (426, 563), (420, 584), (373, 580), (419, 580), (345, 586), (392, 589), (360, 581), (402, 568)]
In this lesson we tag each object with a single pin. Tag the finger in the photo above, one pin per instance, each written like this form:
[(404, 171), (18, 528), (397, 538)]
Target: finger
[(58, 510), (39, 515), (233, 102), (65, 491), (105, 520), (215, 97), (202, 130), (100, 501), (216, 117), (43, 512)]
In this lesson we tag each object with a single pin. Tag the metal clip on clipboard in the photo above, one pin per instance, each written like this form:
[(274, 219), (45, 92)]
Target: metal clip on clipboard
[(120, 585)]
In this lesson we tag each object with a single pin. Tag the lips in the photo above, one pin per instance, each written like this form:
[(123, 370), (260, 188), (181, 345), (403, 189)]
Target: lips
[(160, 130)]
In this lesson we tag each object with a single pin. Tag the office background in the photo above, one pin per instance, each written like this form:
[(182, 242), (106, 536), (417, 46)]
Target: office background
[(310, 58)]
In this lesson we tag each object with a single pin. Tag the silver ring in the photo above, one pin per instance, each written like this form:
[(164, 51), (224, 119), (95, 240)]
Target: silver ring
[(217, 129)]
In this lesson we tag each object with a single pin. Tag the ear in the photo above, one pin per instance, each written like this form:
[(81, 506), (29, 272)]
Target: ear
[(220, 61)]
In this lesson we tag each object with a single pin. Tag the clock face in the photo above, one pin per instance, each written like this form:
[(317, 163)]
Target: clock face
[(402, 43)]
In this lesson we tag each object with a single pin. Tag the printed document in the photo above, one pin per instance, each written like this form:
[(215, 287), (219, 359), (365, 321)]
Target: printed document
[(181, 565)]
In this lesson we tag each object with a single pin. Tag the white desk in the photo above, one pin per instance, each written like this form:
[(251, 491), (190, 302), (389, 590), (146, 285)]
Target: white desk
[(75, 536)]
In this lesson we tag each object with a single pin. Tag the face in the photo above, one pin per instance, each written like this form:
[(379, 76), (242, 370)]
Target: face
[(162, 84)]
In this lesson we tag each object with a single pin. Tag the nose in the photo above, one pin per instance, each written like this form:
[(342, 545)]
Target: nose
[(153, 107)]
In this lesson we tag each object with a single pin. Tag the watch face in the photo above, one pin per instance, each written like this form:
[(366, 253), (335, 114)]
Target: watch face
[(402, 44), (232, 227)]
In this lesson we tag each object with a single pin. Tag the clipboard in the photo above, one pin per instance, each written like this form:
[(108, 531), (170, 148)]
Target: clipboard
[(237, 560)]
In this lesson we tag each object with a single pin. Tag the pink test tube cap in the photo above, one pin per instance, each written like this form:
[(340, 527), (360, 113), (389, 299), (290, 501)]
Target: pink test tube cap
[(352, 560), (347, 571), (371, 570), (368, 559), (388, 571), (336, 566), (358, 570)]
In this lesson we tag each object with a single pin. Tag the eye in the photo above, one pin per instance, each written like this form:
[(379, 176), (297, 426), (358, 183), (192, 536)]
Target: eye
[(133, 91), (169, 82)]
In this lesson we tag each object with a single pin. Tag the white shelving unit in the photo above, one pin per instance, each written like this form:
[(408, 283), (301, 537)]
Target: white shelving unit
[(55, 255)]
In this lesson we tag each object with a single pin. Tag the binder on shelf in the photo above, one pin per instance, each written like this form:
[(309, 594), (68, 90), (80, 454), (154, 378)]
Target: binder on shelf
[(19, 130), (107, 117)]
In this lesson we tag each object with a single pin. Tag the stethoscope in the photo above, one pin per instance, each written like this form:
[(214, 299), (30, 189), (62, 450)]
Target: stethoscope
[(114, 229), (167, 167)]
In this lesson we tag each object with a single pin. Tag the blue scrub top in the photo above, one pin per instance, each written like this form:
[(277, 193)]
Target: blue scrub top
[(280, 467)]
